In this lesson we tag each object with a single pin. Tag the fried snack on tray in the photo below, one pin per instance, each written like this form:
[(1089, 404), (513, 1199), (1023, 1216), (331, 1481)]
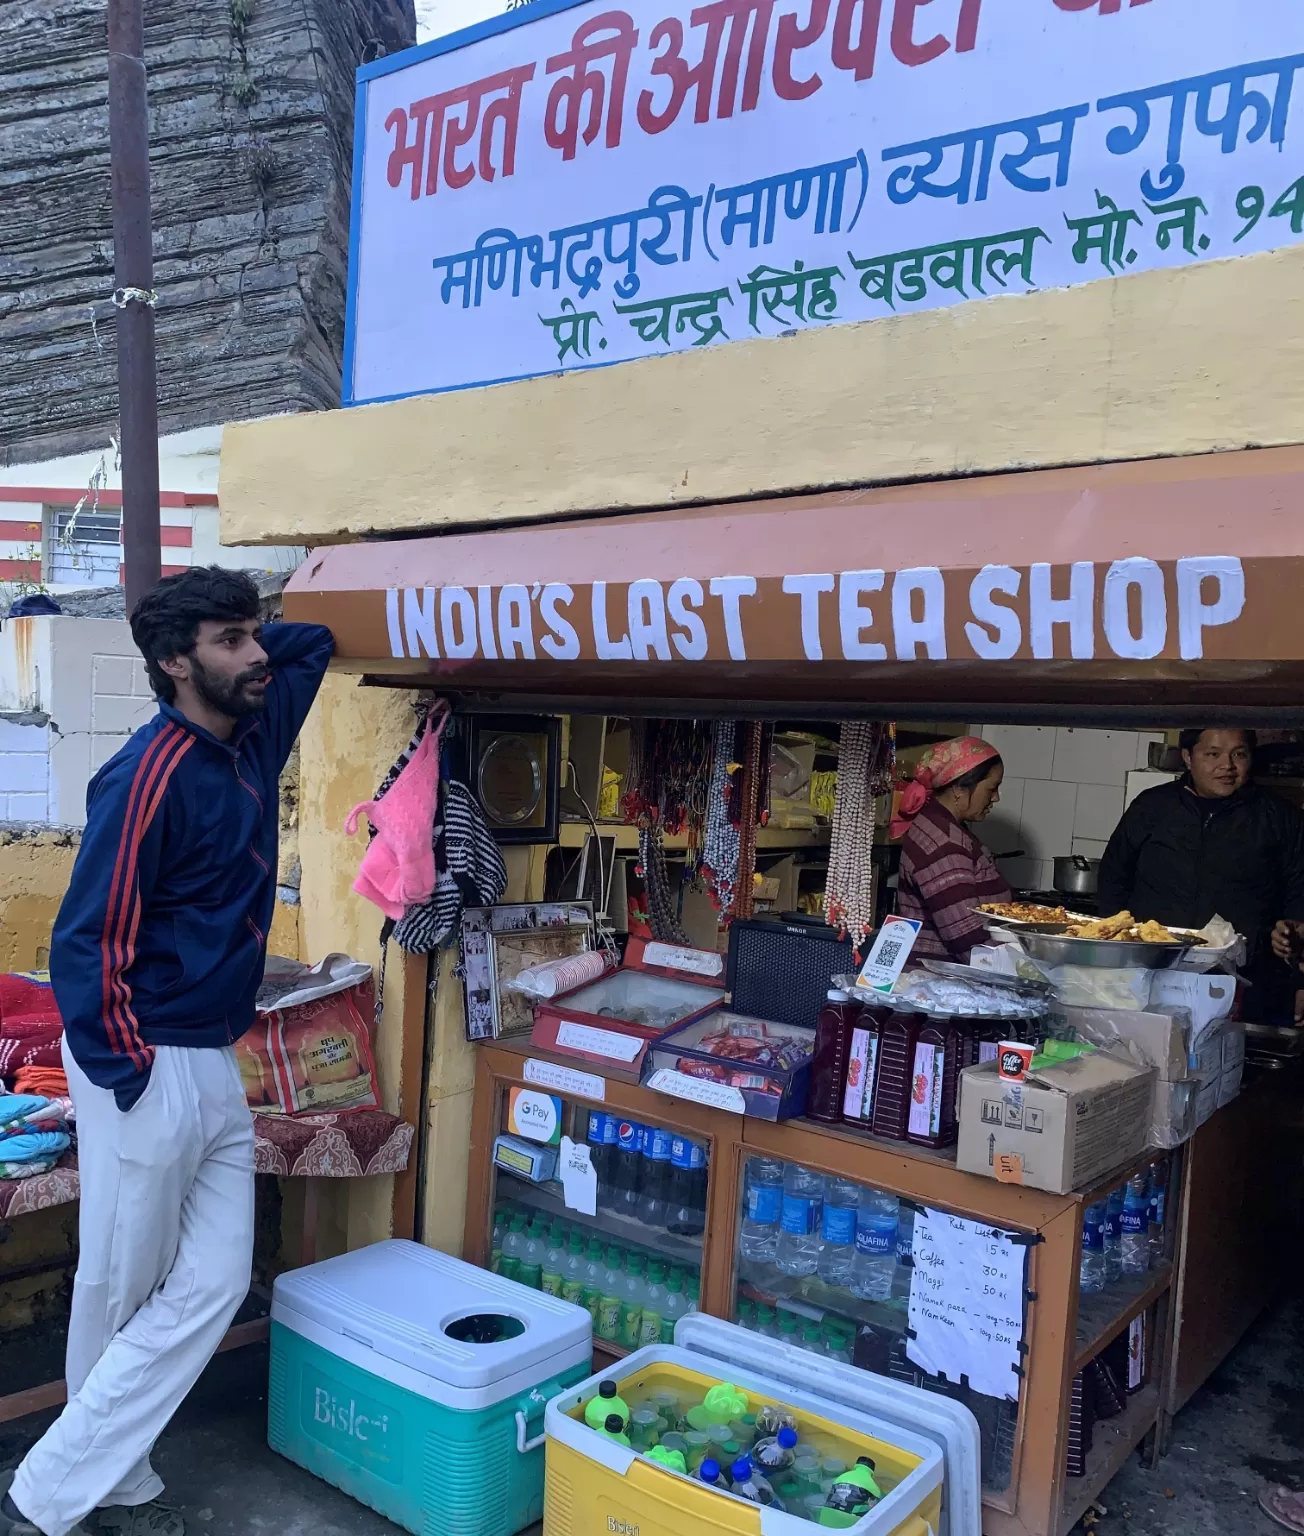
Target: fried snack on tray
[(1123, 928), (1115, 927), (1024, 911)]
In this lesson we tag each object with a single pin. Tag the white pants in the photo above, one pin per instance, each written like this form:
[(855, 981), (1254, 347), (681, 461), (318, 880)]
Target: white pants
[(166, 1235)]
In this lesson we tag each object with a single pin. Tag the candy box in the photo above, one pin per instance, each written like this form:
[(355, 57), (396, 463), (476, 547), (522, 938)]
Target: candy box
[(731, 1061)]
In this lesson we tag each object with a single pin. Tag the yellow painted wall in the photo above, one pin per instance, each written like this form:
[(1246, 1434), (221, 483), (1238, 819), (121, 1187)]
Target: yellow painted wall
[(349, 742), (34, 873), (1190, 360)]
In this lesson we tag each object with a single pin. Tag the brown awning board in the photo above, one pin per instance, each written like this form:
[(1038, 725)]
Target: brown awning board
[(1170, 579)]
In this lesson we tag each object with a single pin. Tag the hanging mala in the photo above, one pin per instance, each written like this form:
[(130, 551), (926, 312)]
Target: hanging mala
[(866, 760), (669, 778), (661, 907), (720, 840), (752, 783)]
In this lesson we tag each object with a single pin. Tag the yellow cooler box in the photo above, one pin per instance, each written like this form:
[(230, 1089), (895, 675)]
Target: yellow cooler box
[(920, 1445)]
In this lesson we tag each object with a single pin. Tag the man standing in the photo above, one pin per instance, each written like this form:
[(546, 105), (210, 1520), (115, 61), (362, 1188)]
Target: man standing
[(1213, 843), (156, 960)]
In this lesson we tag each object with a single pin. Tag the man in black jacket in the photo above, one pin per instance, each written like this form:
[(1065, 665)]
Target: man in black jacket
[(1213, 843)]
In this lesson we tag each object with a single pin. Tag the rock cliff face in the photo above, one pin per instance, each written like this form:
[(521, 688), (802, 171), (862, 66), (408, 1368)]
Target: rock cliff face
[(251, 132)]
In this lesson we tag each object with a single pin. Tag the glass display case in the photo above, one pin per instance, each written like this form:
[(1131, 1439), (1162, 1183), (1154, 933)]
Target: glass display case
[(825, 1264), (636, 1261)]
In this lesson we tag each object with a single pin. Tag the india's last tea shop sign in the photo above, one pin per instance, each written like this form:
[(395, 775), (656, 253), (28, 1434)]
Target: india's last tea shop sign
[(576, 184)]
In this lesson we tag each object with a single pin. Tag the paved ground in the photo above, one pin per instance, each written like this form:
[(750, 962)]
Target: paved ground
[(1245, 1428)]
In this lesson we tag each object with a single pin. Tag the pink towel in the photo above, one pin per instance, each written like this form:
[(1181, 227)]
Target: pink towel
[(398, 868)]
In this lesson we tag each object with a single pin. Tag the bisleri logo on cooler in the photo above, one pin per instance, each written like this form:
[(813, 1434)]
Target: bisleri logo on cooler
[(346, 1419)]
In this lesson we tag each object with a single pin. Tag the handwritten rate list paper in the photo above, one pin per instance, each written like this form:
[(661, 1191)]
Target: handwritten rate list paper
[(966, 1302)]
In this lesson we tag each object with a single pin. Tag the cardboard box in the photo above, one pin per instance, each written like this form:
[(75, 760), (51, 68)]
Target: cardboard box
[(1229, 1084), (1209, 996), (1062, 1128), (1207, 1057), (1206, 1097), (1158, 1039), (1172, 1114), (1233, 1044)]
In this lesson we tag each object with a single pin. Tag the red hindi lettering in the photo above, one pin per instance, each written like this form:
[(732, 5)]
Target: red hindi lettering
[(792, 37), (444, 124), (561, 124), (733, 16), (857, 51), (903, 32)]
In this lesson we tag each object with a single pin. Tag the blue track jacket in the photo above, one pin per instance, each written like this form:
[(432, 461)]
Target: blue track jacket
[(162, 937)]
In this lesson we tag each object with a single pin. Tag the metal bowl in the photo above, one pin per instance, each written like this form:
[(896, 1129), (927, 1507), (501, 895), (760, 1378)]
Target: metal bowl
[(1104, 954)]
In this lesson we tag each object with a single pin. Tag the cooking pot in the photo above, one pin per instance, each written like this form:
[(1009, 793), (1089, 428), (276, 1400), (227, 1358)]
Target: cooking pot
[(1076, 875)]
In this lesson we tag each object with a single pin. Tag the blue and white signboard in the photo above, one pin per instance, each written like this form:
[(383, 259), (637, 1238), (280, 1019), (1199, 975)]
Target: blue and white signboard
[(576, 184)]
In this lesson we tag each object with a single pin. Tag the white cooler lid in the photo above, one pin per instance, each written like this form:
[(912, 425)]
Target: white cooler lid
[(948, 1424), (397, 1298)]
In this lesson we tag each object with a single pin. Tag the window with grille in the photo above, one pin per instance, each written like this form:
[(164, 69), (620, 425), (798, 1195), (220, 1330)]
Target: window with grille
[(86, 552)]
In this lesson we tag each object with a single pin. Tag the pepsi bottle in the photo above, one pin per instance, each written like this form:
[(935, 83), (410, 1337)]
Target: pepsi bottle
[(686, 1196), (627, 1168)]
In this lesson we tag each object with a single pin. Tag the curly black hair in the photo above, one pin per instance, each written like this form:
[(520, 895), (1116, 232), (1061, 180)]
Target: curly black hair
[(165, 622)]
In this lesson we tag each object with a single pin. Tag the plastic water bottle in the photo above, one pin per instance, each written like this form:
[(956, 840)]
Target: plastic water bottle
[(632, 1291), (1158, 1194), (798, 1251), (673, 1306), (1114, 1236), (514, 1248), (776, 1453), (905, 1250), (750, 1484), (710, 1473), (838, 1231), (654, 1302), (501, 1229), (554, 1262), (609, 1306), (763, 1207), (876, 1246), (656, 1176), (1135, 1223), (1091, 1272)]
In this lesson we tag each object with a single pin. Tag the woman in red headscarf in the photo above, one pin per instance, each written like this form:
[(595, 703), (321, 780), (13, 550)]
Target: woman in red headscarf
[(945, 870)]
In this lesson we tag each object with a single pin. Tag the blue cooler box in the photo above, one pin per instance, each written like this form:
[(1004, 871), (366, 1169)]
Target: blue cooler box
[(417, 1384)]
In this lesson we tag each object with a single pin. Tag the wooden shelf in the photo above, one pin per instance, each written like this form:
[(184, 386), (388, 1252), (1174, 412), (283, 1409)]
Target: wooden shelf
[(1102, 1317), (1113, 1441), (813, 1297), (571, 834), (625, 1230)]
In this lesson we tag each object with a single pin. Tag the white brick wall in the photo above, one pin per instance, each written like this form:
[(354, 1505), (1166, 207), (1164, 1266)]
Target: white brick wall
[(92, 685), (1063, 793), (24, 772)]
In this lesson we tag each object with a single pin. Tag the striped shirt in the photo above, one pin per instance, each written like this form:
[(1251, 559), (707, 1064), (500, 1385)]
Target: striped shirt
[(945, 872)]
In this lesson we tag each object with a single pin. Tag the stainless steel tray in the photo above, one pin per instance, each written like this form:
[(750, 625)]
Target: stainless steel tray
[(1104, 954), (1278, 1040)]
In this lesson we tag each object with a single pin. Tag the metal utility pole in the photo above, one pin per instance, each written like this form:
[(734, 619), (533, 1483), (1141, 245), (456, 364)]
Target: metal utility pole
[(133, 271)]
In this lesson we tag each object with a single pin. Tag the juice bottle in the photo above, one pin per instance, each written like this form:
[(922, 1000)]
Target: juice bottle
[(828, 1068), (935, 1070), (608, 1326), (892, 1085), (862, 1067)]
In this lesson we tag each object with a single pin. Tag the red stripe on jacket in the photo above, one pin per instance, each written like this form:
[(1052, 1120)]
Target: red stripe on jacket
[(123, 919)]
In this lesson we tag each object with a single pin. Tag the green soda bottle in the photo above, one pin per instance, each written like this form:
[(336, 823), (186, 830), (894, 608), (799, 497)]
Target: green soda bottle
[(572, 1281), (591, 1289), (608, 1326), (632, 1291), (649, 1331), (608, 1401), (513, 1247), (614, 1429), (496, 1248), (550, 1277), (852, 1494), (532, 1259)]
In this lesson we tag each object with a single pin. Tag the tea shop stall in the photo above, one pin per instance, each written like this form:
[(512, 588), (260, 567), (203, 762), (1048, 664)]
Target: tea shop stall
[(693, 721)]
